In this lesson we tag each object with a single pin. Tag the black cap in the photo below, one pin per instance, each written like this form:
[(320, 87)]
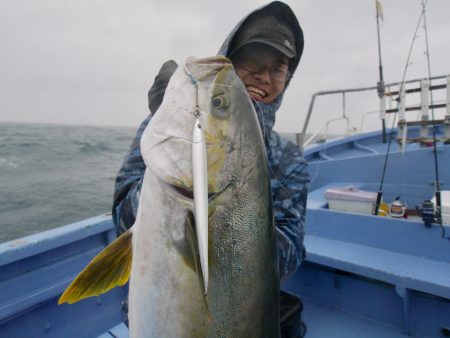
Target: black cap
[(268, 30), (283, 31)]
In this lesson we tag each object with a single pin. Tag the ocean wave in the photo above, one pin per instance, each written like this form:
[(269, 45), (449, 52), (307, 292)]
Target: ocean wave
[(11, 162), (98, 147), (54, 175)]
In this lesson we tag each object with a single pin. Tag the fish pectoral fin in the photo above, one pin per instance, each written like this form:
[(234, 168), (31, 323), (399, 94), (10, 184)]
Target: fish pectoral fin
[(110, 268)]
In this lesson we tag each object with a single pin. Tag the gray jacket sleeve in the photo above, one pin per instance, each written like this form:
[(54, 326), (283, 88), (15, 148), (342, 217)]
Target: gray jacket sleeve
[(131, 173)]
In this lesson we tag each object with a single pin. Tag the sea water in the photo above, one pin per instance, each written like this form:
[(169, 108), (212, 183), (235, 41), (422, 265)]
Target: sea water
[(52, 175)]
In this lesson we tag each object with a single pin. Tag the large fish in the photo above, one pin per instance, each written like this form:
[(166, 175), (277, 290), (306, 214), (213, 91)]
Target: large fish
[(179, 287)]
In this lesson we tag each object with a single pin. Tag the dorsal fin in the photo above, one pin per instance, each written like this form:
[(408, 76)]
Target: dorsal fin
[(110, 268)]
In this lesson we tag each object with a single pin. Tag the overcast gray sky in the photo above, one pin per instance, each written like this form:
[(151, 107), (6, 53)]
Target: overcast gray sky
[(91, 62)]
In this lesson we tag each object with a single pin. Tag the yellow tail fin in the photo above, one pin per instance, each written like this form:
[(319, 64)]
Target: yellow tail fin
[(110, 268)]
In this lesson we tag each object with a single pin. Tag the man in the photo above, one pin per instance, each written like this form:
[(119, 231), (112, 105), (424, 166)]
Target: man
[(265, 49)]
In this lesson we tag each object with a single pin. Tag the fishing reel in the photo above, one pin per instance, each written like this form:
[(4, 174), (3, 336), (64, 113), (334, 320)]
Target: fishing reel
[(397, 208), (428, 213)]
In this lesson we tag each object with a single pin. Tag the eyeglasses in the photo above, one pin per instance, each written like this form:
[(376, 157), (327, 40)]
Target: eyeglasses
[(277, 73)]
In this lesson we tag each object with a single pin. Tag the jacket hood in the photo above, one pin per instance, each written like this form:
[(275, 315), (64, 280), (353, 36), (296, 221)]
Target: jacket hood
[(266, 111)]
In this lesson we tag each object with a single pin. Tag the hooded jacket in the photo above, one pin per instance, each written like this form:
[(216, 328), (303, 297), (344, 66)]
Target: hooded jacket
[(288, 168)]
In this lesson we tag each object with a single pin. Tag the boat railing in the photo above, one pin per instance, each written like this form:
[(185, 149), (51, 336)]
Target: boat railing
[(364, 116), (325, 126), (393, 101)]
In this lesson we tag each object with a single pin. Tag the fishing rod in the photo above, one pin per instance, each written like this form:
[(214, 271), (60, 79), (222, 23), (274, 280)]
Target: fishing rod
[(437, 216), (391, 133)]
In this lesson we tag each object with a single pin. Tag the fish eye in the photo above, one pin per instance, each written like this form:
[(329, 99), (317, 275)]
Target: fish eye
[(219, 102), (220, 106)]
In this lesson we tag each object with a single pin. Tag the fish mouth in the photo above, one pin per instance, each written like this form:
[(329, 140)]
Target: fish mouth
[(183, 191), (188, 193)]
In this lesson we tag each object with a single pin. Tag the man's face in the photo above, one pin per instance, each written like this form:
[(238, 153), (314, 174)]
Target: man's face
[(263, 70)]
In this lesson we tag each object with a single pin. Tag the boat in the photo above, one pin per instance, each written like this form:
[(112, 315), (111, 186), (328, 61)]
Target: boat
[(365, 275), (377, 231)]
